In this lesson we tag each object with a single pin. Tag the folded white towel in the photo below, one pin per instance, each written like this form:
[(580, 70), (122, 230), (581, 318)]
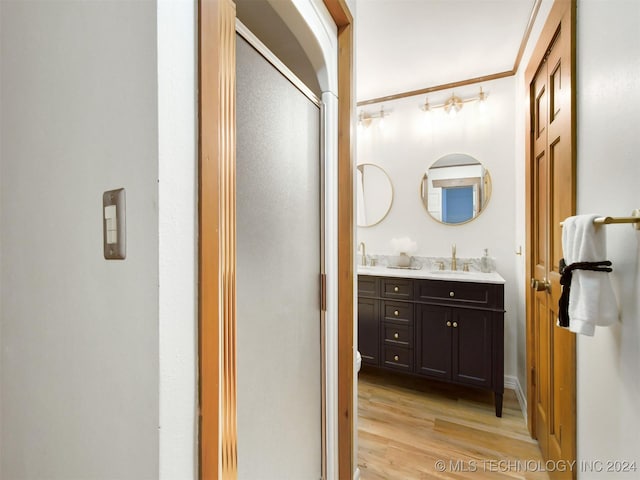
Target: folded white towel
[(592, 301)]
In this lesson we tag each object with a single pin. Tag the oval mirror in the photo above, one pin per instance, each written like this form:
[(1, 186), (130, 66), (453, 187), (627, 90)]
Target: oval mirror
[(374, 194), (455, 189)]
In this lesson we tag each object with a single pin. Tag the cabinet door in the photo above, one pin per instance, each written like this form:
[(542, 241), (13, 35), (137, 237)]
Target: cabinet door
[(472, 347), (434, 341), (368, 331), (367, 286)]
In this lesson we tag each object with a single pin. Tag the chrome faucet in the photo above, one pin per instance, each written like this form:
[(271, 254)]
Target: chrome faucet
[(454, 265), (364, 255)]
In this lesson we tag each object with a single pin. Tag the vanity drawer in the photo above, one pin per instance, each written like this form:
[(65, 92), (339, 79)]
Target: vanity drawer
[(397, 334), (398, 311), (399, 358), (462, 293), (401, 288), (367, 286)]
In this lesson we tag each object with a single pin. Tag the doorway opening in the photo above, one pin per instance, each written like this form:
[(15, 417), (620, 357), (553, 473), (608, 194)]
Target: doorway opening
[(217, 228)]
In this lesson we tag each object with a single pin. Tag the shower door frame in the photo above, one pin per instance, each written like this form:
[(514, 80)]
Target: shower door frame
[(216, 262)]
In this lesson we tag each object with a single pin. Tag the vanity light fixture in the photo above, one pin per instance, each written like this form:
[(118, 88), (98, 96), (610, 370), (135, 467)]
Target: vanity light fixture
[(454, 104), (365, 118), (381, 122)]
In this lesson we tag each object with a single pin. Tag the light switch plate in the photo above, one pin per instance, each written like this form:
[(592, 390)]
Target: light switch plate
[(114, 238)]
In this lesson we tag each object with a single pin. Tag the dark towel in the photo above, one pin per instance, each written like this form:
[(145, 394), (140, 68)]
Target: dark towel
[(565, 281)]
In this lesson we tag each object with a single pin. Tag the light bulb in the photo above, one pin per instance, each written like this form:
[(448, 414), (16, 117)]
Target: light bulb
[(381, 123), (482, 101), (426, 118), (426, 108)]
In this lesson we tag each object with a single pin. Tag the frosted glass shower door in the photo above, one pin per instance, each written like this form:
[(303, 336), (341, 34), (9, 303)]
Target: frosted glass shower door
[(278, 268)]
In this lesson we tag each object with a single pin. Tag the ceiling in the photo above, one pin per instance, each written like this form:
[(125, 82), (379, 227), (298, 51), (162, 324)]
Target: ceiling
[(406, 45)]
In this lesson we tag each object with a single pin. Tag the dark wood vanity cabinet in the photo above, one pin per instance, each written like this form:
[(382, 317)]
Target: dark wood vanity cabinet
[(368, 331), (450, 331), (396, 328), (455, 345)]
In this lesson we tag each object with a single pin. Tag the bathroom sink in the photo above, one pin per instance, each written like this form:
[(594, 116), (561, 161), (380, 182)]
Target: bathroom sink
[(367, 268), (450, 272), (465, 276)]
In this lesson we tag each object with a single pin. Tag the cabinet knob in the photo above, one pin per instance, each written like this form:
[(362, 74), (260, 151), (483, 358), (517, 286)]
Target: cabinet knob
[(396, 313), (448, 324), (455, 324), (452, 294), (396, 335), (395, 289), (396, 358)]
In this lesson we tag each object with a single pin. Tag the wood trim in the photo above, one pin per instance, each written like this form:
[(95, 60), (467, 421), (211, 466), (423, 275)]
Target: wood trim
[(527, 34), (216, 320), (339, 11), (470, 81), (341, 14), (558, 11), (346, 354), (444, 86)]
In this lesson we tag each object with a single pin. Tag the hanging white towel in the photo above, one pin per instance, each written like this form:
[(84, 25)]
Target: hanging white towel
[(592, 301)]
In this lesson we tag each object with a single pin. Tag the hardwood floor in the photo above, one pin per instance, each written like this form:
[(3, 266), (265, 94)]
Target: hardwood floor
[(411, 428)]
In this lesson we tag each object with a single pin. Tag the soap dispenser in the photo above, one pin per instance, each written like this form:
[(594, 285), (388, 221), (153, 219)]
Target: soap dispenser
[(486, 265)]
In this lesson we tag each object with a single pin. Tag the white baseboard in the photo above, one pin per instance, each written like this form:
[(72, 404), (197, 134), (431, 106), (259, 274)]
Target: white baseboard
[(514, 384), (356, 474)]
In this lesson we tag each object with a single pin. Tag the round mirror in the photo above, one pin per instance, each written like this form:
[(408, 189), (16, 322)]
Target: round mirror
[(374, 194), (455, 189)]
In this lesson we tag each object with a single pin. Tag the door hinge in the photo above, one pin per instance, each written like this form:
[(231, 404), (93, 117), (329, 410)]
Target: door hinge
[(533, 376), (323, 292)]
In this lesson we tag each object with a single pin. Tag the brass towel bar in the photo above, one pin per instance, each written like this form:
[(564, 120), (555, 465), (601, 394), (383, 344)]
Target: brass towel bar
[(633, 219)]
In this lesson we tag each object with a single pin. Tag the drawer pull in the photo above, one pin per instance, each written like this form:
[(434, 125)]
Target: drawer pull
[(396, 313), (395, 289), (448, 324), (396, 358), (455, 324), (452, 294), (396, 335)]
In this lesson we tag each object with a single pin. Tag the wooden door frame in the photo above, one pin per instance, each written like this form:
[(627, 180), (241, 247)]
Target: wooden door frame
[(559, 10), (216, 228)]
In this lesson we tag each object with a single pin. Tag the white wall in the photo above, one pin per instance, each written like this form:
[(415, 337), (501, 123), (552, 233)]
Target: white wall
[(608, 97), (178, 205), (408, 145), (79, 351)]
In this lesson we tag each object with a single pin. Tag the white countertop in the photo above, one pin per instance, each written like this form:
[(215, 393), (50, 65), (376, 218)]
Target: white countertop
[(457, 276)]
